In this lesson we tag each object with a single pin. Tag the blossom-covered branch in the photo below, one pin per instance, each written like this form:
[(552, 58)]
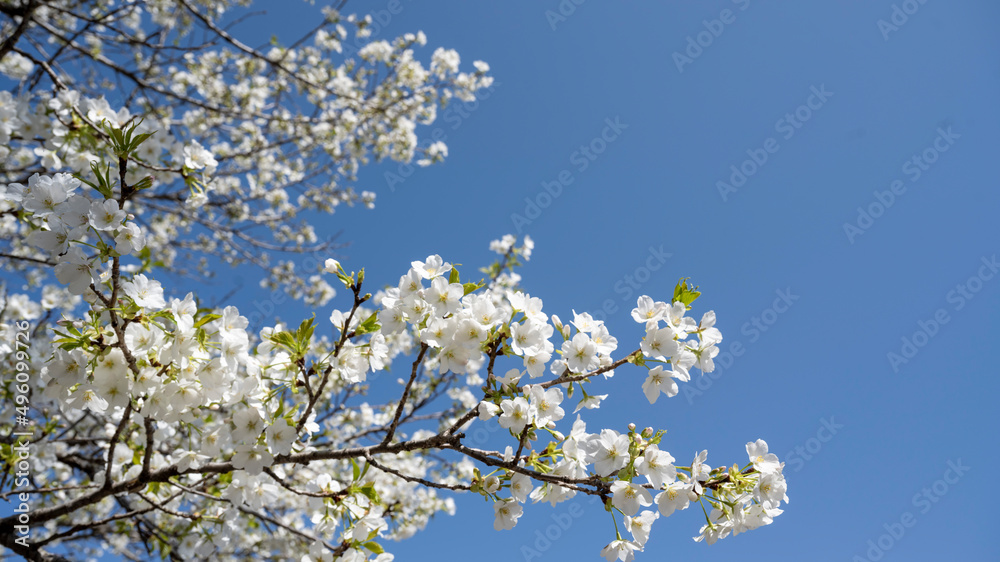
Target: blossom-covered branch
[(166, 426), (243, 140)]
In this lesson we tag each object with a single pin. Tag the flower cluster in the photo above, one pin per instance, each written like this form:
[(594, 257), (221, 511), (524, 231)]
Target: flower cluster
[(242, 141), (176, 416), (185, 389), (464, 330)]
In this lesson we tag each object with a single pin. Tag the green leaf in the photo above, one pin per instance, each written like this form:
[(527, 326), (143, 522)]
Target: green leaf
[(685, 293), (453, 276), (139, 140), (123, 143), (368, 326), (357, 470), (103, 186), (470, 287), (206, 319), (144, 183), (71, 345), (369, 491), (67, 336), (284, 339), (305, 331), (374, 547)]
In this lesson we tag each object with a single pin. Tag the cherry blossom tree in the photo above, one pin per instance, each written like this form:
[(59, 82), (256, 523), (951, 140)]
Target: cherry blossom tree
[(147, 424)]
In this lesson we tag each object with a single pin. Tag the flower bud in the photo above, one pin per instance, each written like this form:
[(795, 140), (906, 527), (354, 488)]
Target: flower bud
[(648, 432), (492, 484), (557, 322), (487, 410), (692, 495), (631, 427)]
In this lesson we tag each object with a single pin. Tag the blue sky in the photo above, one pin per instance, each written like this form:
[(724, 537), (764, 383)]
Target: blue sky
[(814, 308), (823, 360)]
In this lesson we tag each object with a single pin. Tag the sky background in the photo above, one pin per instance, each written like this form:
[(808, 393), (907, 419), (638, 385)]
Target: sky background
[(823, 361), (820, 362)]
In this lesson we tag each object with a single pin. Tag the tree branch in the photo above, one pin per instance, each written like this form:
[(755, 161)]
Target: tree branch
[(25, 12), (406, 393)]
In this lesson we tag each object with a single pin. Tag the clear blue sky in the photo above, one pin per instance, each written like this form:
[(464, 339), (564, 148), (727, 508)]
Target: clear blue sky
[(894, 93), (930, 84)]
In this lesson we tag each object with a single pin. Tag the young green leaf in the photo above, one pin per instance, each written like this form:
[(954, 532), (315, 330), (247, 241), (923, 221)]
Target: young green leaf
[(368, 326)]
